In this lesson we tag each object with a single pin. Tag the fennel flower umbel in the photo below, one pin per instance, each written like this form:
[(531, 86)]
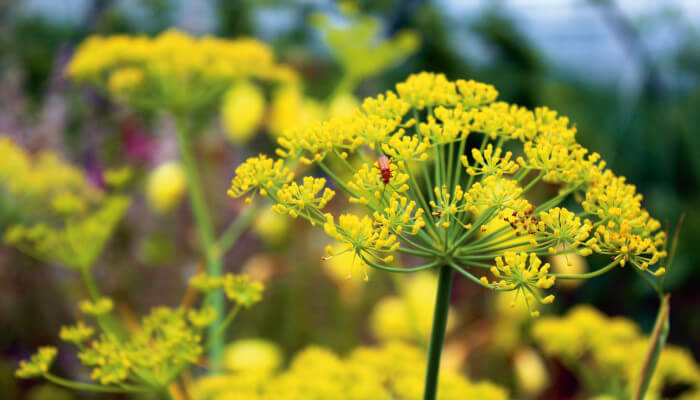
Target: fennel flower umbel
[(435, 163)]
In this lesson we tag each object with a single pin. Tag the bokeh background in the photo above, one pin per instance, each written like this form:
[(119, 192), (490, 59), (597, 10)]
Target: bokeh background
[(626, 72)]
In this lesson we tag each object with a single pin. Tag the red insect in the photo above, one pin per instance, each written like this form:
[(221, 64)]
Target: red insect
[(384, 167)]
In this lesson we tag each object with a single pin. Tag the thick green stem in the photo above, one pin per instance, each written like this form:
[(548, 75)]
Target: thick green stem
[(437, 334), (204, 226)]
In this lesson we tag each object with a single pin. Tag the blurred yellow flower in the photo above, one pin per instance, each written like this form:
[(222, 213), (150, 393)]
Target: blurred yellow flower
[(393, 371), (272, 227), (530, 371), (409, 316), (290, 108), (252, 355), (571, 263), (242, 111), (342, 105), (166, 186), (173, 71), (614, 349)]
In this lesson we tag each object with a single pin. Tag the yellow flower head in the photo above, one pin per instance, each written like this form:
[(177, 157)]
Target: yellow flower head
[(166, 186), (370, 186), (490, 162), (53, 207), (152, 73), (295, 199), (364, 236), (242, 111), (260, 173), (430, 194), (525, 274)]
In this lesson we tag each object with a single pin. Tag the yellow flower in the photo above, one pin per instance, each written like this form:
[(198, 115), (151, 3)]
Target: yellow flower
[(390, 371), (166, 186), (427, 89), (252, 355), (342, 105), (125, 80), (524, 274), (467, 207), (260, 173), (612, 348), (272, 227), (571, 263), (490, 162), (39, 363), (447, 206), (369, 185), (530, 371), (362, 236), (498, 193), (76, 334), (408, 316), (242, 112), (101, 306), (302, 199), (402, 149), (289, 108), (152, 73), (563, 228), (401, 216)]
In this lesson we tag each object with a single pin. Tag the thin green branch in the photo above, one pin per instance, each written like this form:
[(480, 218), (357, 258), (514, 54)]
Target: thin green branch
[(656, 344), (588, 275), (216, 335), (236, 228), (399, 270), (90, 387)]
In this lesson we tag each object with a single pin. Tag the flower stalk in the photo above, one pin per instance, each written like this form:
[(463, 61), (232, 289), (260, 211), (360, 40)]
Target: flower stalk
[(437, 332)]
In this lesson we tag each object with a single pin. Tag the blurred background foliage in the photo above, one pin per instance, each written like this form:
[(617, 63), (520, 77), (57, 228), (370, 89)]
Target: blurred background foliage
[(627, 74)]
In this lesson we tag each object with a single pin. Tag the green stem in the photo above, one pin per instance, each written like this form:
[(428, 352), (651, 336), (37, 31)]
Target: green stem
[(437, 333), (399, 270), (204, 226), (474, 278), (424, 203), (90, 284), (222, 328), (656, 344), (236, 229), (533, 182), (89, 387), (590, 274), (107, 322)]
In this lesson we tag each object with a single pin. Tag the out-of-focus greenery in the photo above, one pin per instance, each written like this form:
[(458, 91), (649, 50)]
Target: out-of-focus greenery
[(648, 135)]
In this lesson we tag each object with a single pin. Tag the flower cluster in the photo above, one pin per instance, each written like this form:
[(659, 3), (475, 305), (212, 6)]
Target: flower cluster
[(66, 220), (154, 73), (152, 354), (407, 155), (613, 349), (392, 371), (522, 273)]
